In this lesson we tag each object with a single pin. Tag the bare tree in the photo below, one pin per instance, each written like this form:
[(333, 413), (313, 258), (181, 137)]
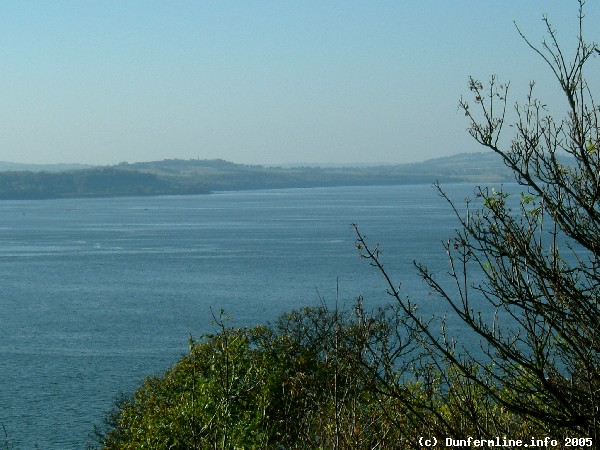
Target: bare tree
[(531, 261)]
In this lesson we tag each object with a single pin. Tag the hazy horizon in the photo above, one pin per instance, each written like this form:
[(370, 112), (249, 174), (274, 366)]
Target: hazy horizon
[(270, 83), (4, 164)]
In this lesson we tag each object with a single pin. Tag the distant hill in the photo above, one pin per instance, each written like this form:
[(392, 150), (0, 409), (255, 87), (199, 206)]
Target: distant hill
[(225, 175), (476, 167), (176, 176), (11, 166), (98, 182)]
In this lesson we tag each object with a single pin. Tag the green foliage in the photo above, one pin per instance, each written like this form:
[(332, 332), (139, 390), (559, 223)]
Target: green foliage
[(263, 387), (306, 382)]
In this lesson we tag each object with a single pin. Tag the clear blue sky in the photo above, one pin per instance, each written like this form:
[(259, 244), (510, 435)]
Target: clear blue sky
[(280, 81)]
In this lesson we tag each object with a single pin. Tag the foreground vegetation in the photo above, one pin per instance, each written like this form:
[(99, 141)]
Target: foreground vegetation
[(306, 382), (525, 281)]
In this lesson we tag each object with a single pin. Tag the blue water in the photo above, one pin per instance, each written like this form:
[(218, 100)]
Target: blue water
[(95, 294)]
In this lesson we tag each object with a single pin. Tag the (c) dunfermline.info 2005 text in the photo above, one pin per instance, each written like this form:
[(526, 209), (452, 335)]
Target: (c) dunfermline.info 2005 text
[(471, 442)]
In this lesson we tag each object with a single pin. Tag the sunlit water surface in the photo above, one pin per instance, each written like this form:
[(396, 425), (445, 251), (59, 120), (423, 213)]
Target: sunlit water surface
[(98, 293)]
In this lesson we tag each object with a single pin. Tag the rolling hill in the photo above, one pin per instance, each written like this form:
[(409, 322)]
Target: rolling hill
[(177, 176)]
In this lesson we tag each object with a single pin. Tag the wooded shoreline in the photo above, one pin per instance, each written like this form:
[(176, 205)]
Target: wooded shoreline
[(184, 177)]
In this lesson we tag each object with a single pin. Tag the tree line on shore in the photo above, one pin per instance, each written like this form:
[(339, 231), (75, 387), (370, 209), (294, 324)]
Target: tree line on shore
[(181, 177), (101, 182)]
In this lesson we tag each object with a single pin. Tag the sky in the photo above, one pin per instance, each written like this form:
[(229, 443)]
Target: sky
[(261, 82)]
